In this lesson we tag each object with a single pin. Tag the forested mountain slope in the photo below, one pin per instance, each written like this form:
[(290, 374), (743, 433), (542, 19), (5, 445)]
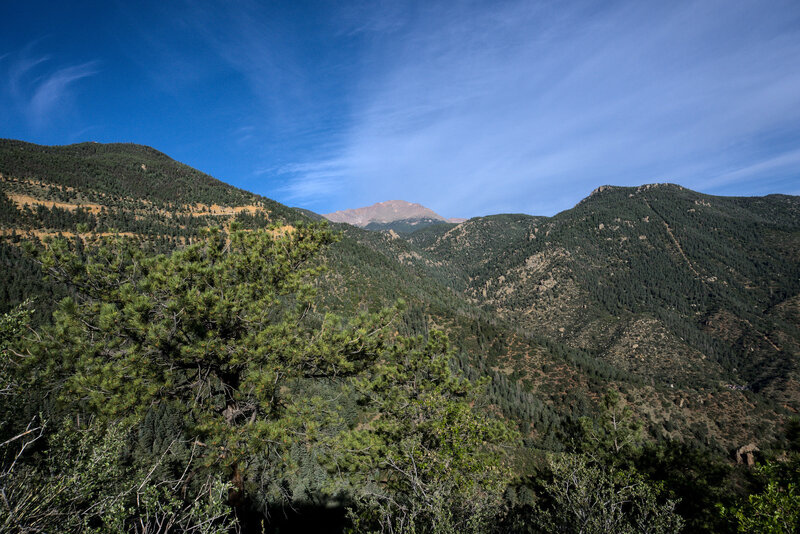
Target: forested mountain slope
[(93, 189), (669, 284), (119, 171), (685, 302), (688, 300)]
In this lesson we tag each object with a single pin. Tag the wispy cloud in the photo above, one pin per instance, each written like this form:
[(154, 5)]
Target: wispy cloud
[(260, 58), (781, 164), (40, 90), (53, 89), (519, 106), (19, 70), (311, 182), (244, 134), (468, 107)]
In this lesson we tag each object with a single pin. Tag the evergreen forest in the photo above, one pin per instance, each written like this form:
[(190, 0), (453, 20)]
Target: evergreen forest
[(179, 355)]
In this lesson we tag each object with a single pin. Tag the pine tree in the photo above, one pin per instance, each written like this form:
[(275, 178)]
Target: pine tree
[(224, 335), (225, 328)]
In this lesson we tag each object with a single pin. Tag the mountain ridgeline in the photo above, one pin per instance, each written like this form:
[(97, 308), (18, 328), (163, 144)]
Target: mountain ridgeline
[(690, 300), (685, 304)]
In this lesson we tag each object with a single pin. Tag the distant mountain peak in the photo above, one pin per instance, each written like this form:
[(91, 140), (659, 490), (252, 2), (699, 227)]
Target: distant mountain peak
[(385, 212)]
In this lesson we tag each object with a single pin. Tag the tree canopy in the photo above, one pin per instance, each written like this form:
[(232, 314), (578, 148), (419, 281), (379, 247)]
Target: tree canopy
[(222, 343)]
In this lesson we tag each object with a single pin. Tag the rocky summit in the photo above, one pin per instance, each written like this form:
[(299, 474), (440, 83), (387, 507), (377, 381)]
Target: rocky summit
[(398, 215)]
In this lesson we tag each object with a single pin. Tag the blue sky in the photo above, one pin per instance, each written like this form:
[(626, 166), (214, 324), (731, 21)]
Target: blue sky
[(469, 108)]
